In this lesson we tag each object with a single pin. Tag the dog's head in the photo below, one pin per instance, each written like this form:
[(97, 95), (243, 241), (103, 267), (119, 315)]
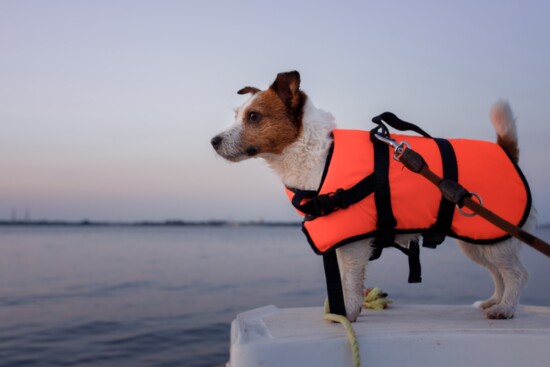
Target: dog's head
[(267, 123)]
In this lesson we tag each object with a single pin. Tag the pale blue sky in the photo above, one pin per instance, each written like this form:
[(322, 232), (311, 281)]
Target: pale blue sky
[(107, 107)]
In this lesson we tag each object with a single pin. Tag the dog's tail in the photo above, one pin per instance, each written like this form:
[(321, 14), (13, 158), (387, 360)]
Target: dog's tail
[(504, 122)]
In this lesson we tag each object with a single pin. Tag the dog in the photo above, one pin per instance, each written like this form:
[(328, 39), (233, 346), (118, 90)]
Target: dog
[(282, 126)]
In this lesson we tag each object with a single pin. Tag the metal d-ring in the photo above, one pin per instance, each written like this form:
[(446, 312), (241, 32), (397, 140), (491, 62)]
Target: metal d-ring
[(470, 214)]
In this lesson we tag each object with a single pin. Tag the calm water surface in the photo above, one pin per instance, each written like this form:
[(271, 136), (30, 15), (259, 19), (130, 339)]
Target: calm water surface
[(165, 296)]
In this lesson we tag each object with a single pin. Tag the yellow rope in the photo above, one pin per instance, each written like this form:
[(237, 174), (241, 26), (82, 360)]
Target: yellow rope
[(352, 338), (374, 299)]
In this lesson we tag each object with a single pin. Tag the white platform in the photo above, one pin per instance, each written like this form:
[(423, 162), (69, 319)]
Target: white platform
[(399, 336)]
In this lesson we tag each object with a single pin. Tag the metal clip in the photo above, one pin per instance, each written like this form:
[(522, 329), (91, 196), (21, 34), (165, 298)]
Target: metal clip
[(398, 148)]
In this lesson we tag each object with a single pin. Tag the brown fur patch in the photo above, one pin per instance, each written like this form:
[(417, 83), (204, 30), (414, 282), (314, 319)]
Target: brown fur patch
[(287, 86), (278, 128), (510, 146)]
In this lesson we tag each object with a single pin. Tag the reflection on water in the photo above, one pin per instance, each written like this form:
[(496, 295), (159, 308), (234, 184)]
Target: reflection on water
[(164, 296)]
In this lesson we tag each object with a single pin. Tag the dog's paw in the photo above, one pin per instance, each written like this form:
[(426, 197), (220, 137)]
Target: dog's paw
[(483, 305), (500, 312), (353, 315)]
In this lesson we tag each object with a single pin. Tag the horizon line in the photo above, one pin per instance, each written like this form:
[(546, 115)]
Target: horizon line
[(160, 223), (167, 222)]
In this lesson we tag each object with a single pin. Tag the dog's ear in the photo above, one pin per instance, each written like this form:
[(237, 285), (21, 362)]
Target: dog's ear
[(246, 90), (287, 86)]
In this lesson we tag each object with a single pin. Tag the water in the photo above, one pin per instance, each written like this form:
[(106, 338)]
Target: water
[(165, 296)]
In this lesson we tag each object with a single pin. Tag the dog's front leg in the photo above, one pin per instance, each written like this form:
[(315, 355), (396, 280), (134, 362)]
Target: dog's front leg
[(352, 261)]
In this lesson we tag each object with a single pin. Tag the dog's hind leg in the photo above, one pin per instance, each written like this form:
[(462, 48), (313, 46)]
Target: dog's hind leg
[(352, 261), (510, 275), (505, 256), (475, 253)]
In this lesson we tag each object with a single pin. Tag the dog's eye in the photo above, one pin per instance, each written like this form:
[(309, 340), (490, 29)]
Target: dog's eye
[(254, 117)]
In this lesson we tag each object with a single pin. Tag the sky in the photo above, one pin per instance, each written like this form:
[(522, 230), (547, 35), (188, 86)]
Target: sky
[(107, 107)]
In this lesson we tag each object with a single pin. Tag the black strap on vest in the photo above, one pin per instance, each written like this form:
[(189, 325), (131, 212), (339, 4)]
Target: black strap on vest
[(335, 293), (320, 205), (436, 234), (415, 269), (413, 254), (382, 198)]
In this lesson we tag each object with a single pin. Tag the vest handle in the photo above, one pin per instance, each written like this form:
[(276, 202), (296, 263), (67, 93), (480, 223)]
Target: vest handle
[(398, 124)]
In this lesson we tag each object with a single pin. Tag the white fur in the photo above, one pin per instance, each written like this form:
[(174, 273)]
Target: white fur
[(508, 273), (231, 148), (302, 163)]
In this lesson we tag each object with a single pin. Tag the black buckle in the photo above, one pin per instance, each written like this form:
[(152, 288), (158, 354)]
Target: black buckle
[(340, 194), (328, 203)]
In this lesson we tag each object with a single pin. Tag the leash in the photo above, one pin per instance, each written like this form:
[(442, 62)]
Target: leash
[(457, 194)]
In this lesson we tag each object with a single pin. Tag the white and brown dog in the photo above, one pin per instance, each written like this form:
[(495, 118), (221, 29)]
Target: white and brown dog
[(282, 126)]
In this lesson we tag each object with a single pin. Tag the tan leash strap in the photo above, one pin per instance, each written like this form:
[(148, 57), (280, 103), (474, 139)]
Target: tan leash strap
[(503, 224)]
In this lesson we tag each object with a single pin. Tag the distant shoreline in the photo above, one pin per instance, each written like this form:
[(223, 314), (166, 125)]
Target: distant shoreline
[(165, 223), (147, 223)]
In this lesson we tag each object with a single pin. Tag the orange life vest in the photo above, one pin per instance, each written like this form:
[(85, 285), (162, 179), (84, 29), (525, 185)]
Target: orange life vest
[(336, 214)]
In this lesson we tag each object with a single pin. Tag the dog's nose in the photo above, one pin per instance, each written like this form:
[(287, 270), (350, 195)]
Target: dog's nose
[(216, 140)]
